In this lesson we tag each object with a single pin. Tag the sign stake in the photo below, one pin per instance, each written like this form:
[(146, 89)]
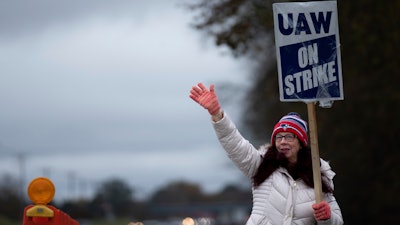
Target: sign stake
[(312, 121)]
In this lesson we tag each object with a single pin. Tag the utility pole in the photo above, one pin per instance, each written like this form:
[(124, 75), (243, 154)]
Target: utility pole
[(71, 184), (21, 158)]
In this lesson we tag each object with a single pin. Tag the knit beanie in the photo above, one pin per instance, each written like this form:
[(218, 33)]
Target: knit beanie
[(292, 123)]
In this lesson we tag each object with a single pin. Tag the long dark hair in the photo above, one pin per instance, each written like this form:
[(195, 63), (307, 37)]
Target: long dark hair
[(301, 170)]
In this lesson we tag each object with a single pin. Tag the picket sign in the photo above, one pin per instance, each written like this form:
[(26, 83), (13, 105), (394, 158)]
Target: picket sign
[(309, 64)]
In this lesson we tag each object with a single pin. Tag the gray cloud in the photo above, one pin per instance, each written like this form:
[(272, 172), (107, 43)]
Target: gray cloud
[(21, 17), (83, 82)]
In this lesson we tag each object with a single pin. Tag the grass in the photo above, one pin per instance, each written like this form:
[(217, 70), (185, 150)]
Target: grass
[(117, 221), (6, 221)]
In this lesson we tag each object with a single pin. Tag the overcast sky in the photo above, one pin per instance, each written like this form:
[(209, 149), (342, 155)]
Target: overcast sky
[(96, 89)]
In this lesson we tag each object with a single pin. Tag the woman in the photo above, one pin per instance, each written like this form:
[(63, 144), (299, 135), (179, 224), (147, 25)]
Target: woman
[(281, 172)]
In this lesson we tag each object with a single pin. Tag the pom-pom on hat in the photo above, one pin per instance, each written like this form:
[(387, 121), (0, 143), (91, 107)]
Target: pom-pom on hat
[(292, 123)]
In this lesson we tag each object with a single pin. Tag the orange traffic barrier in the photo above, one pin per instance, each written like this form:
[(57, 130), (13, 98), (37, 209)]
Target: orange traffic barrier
[(41, 191)]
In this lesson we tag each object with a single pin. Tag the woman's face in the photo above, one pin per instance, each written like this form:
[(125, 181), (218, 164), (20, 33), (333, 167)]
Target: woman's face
[(288, 144)]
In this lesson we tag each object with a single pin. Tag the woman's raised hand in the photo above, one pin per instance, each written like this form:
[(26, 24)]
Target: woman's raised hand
[(206, 98)]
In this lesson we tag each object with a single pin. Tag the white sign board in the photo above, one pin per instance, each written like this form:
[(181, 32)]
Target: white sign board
[(308, 51)]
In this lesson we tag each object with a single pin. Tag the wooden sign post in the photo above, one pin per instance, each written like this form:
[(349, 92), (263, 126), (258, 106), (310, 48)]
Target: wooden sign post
[(312, 123)]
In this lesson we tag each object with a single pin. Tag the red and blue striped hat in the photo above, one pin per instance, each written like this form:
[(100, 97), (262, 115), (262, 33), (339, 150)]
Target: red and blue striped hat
[(292, 123)]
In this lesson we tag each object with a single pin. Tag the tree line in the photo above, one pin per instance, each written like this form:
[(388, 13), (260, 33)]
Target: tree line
[(114, 198)]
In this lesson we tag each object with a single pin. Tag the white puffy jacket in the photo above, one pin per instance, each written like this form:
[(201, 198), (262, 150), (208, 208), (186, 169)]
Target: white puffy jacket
[(279, 199)]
